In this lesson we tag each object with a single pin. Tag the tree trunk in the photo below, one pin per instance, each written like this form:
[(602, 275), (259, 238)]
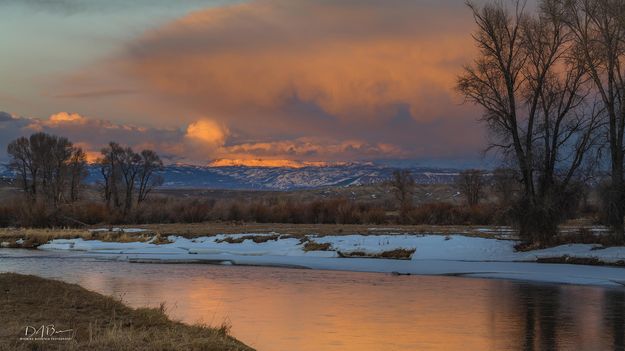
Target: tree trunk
[(616, 196)]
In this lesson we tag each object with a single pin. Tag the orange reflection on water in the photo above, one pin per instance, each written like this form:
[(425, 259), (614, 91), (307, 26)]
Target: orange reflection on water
[(277, 309)]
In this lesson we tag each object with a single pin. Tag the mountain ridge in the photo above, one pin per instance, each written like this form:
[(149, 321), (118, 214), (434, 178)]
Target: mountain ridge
[(280, 178)]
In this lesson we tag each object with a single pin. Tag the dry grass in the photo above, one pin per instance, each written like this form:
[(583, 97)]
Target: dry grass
[(35, 237), (258, 239), (315, 246), (588, 261), (32, 237), (98, 322), (160, 239), (397, 254), (300, 230), (572, 235)]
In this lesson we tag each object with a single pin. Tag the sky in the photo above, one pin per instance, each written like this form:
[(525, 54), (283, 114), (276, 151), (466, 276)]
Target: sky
[(271, 80)]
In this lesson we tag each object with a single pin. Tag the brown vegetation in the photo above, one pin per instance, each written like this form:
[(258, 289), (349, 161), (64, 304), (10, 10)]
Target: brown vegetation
[(397, 254), (587, 261), (177, 210), (315, 246), (96, 322), (258, 239)]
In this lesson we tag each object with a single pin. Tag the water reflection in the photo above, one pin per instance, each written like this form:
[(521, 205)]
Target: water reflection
[(281, 309), (614, 316)]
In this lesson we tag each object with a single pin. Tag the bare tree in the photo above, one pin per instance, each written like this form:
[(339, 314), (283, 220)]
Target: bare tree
[(78, 172), (148, 177), (110, 169), (599, 30), (130, 164), (471, 184), (128, 176), (534, 101), (48, 167), (22, 163), (403, 186)]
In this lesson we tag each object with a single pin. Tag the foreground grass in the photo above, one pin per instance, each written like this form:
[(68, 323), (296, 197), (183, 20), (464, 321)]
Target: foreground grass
[(97, 322)]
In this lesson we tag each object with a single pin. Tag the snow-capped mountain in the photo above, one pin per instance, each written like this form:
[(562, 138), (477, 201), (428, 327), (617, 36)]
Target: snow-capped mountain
[(287, 178), (281, 178)]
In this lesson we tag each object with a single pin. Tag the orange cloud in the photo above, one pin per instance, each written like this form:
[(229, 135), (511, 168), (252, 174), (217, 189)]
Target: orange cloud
[(268, 163), (65, 117), (207, 132), (315, 149), (354, 63), (303, 80)]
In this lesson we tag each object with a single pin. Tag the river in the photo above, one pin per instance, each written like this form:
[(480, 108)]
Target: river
[(275, 309)]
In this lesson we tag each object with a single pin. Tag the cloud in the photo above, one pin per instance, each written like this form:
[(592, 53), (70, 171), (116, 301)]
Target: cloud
[(274, 70), (203, 141), (95, 93), (353, 60), (311, 80), (64, 117), (93, 134), (207, 132), (313, 149)]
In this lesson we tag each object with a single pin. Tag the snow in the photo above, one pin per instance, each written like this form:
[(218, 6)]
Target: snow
[(434, 254)]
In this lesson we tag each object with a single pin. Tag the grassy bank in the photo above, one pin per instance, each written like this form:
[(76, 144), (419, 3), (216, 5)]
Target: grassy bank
[(96, 322)]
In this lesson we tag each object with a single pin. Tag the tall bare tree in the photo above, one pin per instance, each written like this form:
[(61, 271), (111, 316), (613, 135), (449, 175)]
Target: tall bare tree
[(129, 165), (22, 163), (78, 172), (128, 176), (534, 101), (599, 30), (49, 167), (149, 178), (111, 173)]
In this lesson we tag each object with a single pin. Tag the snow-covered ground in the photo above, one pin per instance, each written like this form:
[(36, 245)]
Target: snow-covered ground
[(433, 254)]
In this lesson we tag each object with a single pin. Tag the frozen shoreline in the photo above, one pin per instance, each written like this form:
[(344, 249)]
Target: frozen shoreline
[(434, 255)]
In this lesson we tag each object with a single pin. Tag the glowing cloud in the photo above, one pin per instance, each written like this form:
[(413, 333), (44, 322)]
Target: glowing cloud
[(65, 117), (207, 132)]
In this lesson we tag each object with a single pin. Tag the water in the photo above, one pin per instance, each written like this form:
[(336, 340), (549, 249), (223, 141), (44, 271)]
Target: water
[(286, 309)]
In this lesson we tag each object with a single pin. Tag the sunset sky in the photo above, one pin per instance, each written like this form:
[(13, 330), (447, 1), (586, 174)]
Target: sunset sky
[(199, 80)]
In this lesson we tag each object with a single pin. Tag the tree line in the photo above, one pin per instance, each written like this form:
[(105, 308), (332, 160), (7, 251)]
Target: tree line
[(49, 168), (551, 84), (51, 173)]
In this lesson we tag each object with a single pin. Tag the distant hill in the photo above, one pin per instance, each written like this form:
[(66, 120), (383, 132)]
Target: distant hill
[(281, 178)]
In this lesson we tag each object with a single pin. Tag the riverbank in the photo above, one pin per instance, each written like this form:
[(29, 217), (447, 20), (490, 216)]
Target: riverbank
[(43, 314), (485, 252)]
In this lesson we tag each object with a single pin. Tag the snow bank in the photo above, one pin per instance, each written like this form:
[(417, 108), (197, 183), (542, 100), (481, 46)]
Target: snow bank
[(434, 254)]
